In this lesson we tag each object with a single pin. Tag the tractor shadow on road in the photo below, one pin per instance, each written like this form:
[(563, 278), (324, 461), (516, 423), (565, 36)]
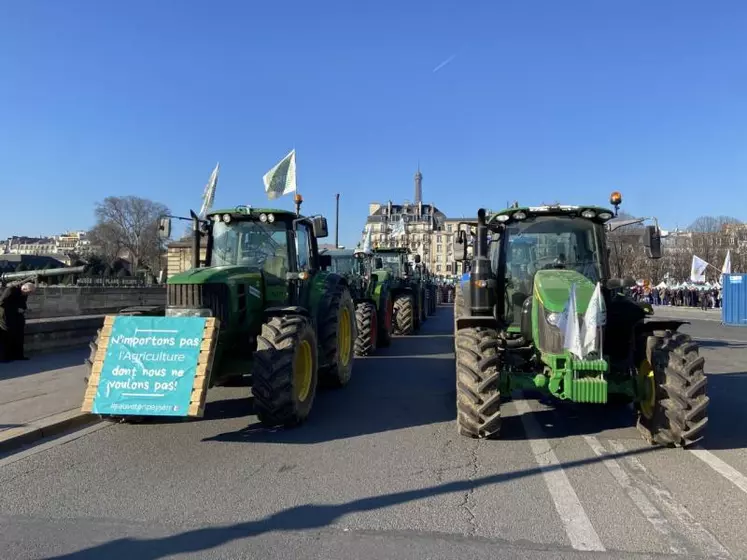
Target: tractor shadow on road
[(727, 412), (400, 387), (306, 517)]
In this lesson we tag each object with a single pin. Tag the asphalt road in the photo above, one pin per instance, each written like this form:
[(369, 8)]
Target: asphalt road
[(380, 472)]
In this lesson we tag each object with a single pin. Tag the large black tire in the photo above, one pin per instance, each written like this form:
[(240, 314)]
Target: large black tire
[(283, 382), (426, 303), (680, 410), (367, 323), (338, 360), (434, 305), (478, 364), (404, 315), (439, 296), (386, 322)]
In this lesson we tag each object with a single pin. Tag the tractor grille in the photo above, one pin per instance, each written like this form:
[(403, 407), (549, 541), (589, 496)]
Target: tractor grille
[(200, 296)]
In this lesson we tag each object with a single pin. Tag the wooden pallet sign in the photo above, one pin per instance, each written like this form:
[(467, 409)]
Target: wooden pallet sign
[(152, 366)]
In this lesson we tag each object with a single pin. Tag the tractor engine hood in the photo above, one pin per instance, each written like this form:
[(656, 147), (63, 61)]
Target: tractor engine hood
[(553, 288), (214, 291)]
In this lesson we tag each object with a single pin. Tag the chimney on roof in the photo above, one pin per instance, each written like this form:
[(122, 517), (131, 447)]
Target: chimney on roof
[(418, 186)]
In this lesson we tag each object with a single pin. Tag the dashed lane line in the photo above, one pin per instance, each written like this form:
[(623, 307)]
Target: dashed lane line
[(724, 469), (577, 525), (696, 532), (639, 499)]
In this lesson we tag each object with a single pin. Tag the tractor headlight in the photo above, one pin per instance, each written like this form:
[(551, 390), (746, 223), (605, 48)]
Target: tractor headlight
[(263, 218), (185, 312), (588, 214), (270, 218), (226, 218), (553, 318)]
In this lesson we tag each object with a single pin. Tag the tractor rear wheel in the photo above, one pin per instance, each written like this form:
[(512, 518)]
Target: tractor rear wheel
[(386, 322), (367, 322), (404, 314), (673, 406), (478, 363), (284, 376), (338, 334)]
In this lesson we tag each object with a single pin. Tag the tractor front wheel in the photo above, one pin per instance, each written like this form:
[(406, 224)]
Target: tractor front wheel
[(284, 376), (367, 321), (672, 404), (338, 334), (478, 364), (404, 314), (386, 318)]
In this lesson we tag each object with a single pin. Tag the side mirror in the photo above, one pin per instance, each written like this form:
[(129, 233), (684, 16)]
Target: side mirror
[(460, 246), (164, 227), (417, 259), (325, 261), (652, 242), (319, 224), (378, 263)]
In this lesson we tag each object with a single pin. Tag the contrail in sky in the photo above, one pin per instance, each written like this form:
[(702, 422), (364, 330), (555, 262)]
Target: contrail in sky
[(444, 63)]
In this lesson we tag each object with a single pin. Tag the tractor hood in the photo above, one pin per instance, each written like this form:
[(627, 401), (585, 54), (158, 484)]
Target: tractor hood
[(216, 275), (553, 288)]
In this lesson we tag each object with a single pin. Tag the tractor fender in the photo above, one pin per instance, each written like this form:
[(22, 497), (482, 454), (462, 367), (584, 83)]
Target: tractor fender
[(469, 321), (660, 325), (331, 282), (288, 310)]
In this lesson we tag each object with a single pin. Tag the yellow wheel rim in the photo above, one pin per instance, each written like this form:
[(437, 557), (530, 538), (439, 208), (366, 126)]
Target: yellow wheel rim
[(303, 373), (647, 383), (344, 337)]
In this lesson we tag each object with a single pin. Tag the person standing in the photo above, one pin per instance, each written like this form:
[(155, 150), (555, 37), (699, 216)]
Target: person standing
[(13, 321)]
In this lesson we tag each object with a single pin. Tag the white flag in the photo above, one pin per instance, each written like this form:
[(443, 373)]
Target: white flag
[(398, 230), (367, 242), (572, 332), (208, 196), (698, 270), (281, 179), (727, 263), (594, 318)]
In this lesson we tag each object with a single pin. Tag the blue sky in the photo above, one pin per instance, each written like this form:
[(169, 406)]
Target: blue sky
[(541, 101)]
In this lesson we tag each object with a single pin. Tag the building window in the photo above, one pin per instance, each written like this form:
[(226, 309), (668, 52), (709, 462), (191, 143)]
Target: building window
[(438, 239), (448, 228), (439, 248), (448, 268), (438, 268)]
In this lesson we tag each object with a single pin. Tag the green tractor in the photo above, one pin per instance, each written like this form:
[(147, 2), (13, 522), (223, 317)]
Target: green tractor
[(516, 327), (371, 291), (428, 282), (285, 321), (407, 292)]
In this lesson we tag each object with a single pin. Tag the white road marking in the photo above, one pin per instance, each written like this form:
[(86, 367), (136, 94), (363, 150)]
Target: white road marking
[(698, 535), (54, 443), (727, 471), (639, 499), (577, 526)]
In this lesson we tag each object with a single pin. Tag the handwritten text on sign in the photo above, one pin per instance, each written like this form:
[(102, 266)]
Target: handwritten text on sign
[(150, 366)]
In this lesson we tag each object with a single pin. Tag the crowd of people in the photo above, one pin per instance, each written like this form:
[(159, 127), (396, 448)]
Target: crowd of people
[(680, 296)]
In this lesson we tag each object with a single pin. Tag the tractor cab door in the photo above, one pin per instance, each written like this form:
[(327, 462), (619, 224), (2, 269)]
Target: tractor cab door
[(300, 290)]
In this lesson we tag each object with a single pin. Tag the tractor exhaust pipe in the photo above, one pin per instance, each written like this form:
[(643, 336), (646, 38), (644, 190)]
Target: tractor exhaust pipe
[(337, 221), (481, 282)]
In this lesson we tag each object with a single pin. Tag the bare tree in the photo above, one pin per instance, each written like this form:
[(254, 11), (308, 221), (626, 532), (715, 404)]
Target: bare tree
[(129, 224), (712, 224)]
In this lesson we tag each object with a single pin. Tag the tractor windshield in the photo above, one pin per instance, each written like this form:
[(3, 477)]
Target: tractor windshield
[(554, 242), (393, 263), (256, 245), (342, 264)]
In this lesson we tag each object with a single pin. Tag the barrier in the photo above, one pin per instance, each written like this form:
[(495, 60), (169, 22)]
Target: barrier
[(74, 301), (50, 335)]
